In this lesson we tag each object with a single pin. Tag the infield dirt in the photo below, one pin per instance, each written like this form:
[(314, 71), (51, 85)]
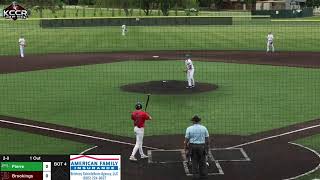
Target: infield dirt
[(271, 155)]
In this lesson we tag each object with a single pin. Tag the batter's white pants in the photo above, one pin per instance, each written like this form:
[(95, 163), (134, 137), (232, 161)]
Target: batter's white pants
[(21, 51), (139, 141), (270, 44), (190, 78), (123, 32)]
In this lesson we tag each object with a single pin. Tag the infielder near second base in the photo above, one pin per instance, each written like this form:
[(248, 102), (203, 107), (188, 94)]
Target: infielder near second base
[(190, 72)]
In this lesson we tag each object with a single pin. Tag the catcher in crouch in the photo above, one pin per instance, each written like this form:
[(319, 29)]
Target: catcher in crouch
[(197, 147)]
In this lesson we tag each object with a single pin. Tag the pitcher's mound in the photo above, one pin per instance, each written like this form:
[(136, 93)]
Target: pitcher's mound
[(168, 87)]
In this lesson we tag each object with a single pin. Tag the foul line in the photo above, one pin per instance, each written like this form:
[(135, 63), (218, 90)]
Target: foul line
[(74, 134), (275, 136), (87, 150)]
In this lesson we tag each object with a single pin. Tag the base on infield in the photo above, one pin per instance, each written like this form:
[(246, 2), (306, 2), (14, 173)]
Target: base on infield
[(168, 87)]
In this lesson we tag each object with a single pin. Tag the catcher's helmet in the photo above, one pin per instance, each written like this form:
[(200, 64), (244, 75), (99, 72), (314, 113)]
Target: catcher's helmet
[(196, 118), (138, 106)]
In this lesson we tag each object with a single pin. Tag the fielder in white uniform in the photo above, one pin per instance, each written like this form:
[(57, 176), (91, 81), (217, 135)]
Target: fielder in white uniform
[(22, 45), (190, 72), (124, 29), (270, 38)]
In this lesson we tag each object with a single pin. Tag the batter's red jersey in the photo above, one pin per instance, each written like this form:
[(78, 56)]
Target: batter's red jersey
[(139, 117)]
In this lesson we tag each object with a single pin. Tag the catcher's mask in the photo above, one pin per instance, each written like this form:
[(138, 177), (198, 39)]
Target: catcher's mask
[(188, 56), (196, 119), (138, 106)]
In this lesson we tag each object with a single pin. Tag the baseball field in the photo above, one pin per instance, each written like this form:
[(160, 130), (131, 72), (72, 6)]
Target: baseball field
[(67, 95)]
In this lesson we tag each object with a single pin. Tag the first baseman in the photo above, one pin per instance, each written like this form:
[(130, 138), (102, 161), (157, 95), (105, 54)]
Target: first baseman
[(270, 38), (22, 45), (190, 72), (124, 29), (139, 117)]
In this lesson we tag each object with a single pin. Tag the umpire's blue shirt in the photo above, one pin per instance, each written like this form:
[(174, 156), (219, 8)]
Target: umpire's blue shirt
[(196, 134)]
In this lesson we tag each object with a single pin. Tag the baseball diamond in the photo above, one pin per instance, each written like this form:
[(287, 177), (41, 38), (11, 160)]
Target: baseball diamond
[(180, 90), (233, 156)]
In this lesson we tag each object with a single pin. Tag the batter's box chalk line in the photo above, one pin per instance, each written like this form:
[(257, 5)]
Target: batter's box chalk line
[(241, 151), (244, 155), (152, 159), (217, 164), (188, 173), (181, 158)]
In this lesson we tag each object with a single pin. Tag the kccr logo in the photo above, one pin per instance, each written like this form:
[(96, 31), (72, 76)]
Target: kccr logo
[(15, 11)]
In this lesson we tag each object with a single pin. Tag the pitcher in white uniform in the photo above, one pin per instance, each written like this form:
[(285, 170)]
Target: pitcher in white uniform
[(190, 72), (22, 45), (270, 38)]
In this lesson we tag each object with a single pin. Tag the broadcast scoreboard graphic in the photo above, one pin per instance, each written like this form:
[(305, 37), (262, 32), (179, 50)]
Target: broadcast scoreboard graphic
[(60, 167)]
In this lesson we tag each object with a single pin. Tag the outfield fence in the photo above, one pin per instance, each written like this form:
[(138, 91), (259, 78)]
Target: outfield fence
[(149, 21), (152, 33)]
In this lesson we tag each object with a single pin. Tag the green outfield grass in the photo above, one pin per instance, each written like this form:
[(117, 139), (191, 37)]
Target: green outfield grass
[(17, 142), (289, 36), (312, 142), (250, 98)]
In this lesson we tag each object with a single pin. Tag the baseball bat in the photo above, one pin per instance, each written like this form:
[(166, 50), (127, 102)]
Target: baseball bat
[(147, 102)]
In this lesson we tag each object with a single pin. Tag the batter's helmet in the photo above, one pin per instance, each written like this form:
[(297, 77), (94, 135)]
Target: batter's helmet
[(196, 118), (138, 106)]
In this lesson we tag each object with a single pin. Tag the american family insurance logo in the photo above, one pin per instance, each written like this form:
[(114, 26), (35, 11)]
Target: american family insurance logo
[(15, 11), (100, 167)]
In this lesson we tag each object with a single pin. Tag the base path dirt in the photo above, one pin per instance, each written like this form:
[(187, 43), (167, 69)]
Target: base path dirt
[(266, 155), (11, 64)]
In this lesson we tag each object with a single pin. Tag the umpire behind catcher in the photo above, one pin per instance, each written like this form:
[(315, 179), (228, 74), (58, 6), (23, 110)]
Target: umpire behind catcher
[(196, 146)]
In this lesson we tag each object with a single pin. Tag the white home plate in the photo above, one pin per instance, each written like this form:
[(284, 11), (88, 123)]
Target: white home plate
[(155, 56)]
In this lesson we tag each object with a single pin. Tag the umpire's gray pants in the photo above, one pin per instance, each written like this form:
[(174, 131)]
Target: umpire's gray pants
[(198, 158)]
